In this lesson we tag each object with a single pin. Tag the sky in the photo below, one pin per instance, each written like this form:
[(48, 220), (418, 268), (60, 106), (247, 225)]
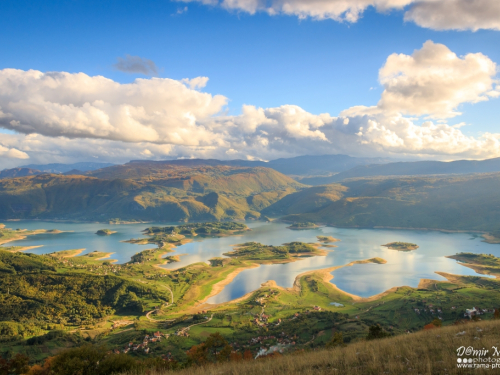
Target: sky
[(113, 81)]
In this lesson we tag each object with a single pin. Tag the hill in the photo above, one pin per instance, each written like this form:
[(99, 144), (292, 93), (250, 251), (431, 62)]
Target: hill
[(18, 172), (307, 200), (142, 192), (469, 202), (426, 352), (412, 169)]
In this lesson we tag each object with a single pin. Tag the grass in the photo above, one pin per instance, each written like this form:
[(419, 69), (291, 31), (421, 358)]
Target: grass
[(426, 352)]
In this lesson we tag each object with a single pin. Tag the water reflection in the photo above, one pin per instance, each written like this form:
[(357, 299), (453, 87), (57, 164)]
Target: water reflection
[(402, 268)]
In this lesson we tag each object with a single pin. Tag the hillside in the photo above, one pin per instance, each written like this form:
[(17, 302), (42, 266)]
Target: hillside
[(426, 352), (412, 169), (142, 192), (469, 202), (307, 200)]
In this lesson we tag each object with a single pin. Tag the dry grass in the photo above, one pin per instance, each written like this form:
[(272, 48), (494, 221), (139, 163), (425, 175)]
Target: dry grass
[(428, 352)]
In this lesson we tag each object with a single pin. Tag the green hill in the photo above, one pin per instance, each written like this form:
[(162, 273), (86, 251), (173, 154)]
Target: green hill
[(425, 352), (468, 202), (201, 193)]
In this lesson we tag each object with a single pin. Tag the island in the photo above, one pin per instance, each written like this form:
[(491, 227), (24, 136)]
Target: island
[(218, 229), (277, 254), (303, 225), (180, 234), (104, 232), (401, 246)]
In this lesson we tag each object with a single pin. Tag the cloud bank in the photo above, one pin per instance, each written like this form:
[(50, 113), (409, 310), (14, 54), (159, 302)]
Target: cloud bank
[(434, 14), (63, 117)]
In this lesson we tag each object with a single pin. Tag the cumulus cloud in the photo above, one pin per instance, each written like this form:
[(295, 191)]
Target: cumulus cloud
[(434, 81), (63, 117), (456, 14), (12, 153), (136, 64), (79, 106), (435, 14)]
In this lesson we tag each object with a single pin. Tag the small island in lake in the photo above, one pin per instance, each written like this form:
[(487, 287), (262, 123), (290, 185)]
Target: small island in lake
[(303, 225), (401, 246), (104, 232)]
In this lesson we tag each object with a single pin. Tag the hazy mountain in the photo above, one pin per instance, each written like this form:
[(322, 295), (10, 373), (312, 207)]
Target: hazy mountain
[(62, 168), (307, 165), (459, 202), (314, 165), (18, 172), (415, 168)]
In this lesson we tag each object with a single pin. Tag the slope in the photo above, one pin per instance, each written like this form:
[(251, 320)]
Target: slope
[(144, 193), (469, 202)]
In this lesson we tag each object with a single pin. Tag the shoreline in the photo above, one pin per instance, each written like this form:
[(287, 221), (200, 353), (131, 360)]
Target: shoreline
[(21, 248), (319, 224)]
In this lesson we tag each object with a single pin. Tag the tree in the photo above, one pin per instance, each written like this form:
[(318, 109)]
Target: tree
[(214, 350), (496, 315), (337, 340), (376, 332), (437, 322), (17, 365)]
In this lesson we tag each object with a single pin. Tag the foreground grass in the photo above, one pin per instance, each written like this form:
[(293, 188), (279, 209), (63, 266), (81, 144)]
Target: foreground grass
[(425, 352)]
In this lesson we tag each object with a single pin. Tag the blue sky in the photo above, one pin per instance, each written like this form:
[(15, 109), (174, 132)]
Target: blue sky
[(322, 66)]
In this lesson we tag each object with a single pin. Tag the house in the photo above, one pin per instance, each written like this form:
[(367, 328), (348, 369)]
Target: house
[(146, 350), (126, 350), (157, 334), (317, 308), (469, 313)]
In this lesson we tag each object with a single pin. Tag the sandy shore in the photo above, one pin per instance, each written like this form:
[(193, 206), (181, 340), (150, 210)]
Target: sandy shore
[(21, 235), (25, 248), (69, 253)]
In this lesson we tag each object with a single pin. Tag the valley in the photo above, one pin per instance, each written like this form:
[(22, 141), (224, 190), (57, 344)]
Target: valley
[(147, 250)]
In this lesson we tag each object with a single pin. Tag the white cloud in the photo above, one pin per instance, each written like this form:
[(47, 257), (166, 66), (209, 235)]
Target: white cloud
[(62, 117), (434, 81), (195, 83), (435, 14), (456, 14), (157, 110), (12, 153)]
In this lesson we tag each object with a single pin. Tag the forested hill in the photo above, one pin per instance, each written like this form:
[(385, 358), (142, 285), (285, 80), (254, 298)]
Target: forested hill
[(469, 202), (143, 192), (35, 292)]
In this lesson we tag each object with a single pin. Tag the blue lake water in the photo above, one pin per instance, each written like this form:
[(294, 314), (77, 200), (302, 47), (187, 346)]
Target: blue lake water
[(402, 268)]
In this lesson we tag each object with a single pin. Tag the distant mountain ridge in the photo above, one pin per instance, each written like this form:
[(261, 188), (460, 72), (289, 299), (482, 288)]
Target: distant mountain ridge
[(63, 168), (305, 165), (419, 168), (18, 172)]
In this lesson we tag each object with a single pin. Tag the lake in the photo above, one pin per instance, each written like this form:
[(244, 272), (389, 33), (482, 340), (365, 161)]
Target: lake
[(402, 268)]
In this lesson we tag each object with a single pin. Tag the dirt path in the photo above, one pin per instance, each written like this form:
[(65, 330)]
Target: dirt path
[(155, 310), (197, 324)]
